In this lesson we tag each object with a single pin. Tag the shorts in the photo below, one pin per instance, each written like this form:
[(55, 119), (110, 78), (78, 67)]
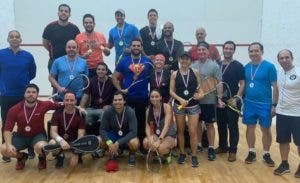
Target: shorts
[(21, 142), (287, 126), (187, 110), (254, 111), (113, 136), (208, 114)]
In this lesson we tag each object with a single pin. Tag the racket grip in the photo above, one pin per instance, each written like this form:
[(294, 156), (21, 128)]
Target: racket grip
[(54, 95)]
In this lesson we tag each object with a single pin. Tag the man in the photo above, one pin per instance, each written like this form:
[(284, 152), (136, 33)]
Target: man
[(260, 77), (66, 68), (28, 116), (233, 75), (208, 68), (96, 98), (151, 34), (121, 35), (287, 109), (17, 69), (136, 70), (91, 44), (169, 47), (119, 128), (67, 125), (213, 51), (58, 33)]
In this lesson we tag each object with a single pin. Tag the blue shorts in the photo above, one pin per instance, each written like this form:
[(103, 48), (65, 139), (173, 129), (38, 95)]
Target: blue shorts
[(186, 110), (21, 142), (287, 126), (113, 136), (257, 111), (208, 114)]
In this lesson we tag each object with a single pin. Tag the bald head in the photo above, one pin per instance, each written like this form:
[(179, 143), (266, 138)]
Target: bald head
[(200, 34), (71, 49), (168, 29)]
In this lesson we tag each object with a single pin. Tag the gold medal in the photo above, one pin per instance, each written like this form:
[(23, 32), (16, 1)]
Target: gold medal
[(66, 136)]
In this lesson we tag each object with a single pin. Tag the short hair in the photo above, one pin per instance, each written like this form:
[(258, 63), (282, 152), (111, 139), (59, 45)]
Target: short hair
[(152, 10), (88, 16), (32, 85), (103, 64), (290, 52), (119, 93), (230, 42), (12, 32), (64, 5), (203, 43), (137, 39), (261, 47)]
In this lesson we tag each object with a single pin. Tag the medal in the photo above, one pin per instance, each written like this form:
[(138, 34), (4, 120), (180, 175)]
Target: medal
[(71, 77), (100, 100), (171, 59), (251, 85), (120, 124), (152, 43), (89, 51), (185, 92), (158, 81), (120, 133), (100, 90), (152, 35), (27, 128), (121, 43), (157, 132), (170, 50), (120, 34), (66, 136)]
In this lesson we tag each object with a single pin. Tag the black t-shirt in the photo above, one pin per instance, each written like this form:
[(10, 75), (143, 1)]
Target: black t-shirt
[(147, 39), (58, 36), (164, 83), (178, 49), (232, 75)]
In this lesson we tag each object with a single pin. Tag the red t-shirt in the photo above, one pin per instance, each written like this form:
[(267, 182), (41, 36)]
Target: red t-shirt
[(35, 125), (72, 126), (213, 53)]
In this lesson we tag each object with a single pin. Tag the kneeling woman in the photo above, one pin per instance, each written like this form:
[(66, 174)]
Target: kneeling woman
[(160, 129)]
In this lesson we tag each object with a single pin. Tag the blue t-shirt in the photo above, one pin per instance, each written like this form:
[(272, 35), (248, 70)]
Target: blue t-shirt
[(126, 36), (16, 71), (140, 89), (61, 69), (259, 89)]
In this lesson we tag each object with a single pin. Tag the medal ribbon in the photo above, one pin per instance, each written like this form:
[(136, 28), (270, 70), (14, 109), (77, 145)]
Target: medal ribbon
[(70, 121), (25, 112)]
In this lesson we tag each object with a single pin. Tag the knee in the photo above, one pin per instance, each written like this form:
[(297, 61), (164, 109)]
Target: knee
[(3, 149), (163, 150), (134, 144), (38, 147), (146, 143)]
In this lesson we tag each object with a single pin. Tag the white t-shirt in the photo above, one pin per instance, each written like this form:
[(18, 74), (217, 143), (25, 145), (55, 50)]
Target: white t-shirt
[(289, 92)]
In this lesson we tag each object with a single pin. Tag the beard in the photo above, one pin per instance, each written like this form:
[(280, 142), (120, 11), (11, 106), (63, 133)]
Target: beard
[(136, 53)]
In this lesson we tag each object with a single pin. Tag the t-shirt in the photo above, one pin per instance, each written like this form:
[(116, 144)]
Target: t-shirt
[(259, 81), (208, 68), (16, 71), (68, 126), (289, 92), (127, 68), (16, 115), (93, 42), (63, 69), (161, 81), (58, 36), (96, 88), (125, 36), (149, 48)]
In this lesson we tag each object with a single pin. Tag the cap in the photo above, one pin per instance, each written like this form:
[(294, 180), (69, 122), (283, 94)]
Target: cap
[(120, 11), (185, 54), (204, 44)]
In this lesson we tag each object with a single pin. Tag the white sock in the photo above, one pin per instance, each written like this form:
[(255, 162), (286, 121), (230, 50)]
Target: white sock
[(266, 152), (252, 150), (200, 144), (211, 147)]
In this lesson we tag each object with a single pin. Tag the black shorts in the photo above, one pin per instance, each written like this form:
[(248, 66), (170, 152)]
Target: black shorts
[(287, 126), (21, 142), (208, 113)]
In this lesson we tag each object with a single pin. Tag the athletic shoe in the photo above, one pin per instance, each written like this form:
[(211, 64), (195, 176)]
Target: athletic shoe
[(31, 154), (21, 161), (220, 150), (250, 158), (131, 160), (195, 162), (232, 157), (282, 169), (42, 163), (181, 158), (211, 154), (297, 173), (98, 154), (200, 148), (268, 160), (59, 161), (6, 159)]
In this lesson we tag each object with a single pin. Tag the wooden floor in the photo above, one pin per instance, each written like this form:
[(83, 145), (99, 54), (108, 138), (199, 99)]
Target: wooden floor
[(217, 171)]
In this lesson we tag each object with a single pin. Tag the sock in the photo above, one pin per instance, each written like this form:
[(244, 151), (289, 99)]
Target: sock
[(252, 150), (200, 144), (266, 152), (211, 147)]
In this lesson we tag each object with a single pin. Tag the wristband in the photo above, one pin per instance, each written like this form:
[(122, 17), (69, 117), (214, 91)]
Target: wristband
[(58, 139), (108, 142)]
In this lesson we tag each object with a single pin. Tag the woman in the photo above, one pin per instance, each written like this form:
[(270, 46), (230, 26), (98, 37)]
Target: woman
[(183, 86), (160, 130), (160, 78)]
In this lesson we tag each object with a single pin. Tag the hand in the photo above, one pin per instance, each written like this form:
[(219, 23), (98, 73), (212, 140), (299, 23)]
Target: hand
[(64, 145), (183, 102), (11, 149), (127, 50), (198, 96), (273, 111), (105, 50), (61, 89), (124, 91), (113, 148), (221, 104), (82, 111)]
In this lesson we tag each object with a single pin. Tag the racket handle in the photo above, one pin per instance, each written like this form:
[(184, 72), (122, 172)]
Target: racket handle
[(54, 95)]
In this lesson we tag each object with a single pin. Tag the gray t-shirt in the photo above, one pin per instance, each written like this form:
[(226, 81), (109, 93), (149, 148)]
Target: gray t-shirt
[(208, 68)]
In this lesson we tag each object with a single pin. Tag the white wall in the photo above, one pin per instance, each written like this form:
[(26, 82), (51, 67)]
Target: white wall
[(7, 20)]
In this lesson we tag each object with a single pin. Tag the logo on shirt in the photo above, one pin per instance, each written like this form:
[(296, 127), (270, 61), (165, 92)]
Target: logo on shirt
[(293, 77)]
